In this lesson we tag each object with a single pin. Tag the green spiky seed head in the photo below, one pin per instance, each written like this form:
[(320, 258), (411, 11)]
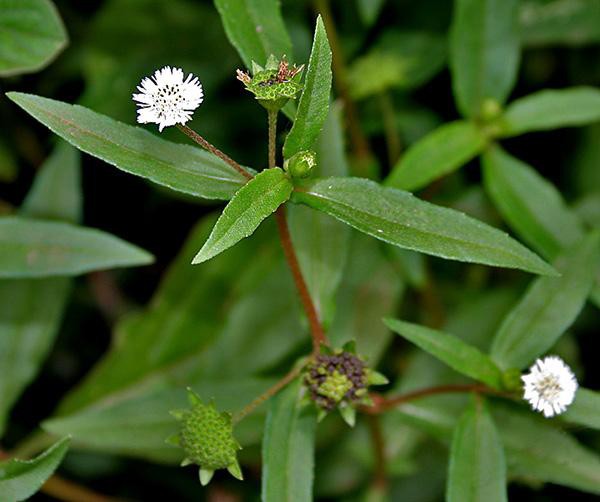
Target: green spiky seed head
[(301, 164), (206, 435)]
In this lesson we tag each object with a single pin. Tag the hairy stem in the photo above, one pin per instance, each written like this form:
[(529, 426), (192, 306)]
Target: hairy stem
[(194, 136), (269, 393), (272, 137)]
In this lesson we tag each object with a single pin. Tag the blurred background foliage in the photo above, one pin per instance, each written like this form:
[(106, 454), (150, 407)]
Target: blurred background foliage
[(211, 325)]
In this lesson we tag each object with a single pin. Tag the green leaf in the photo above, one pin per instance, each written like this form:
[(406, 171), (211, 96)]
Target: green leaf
[(530, 204), (288, 448), (20, 479), (401, 219), (560, 22), (31, 35), (440, 152), (35, 306), (551, 109), (585, 410), (484, 52), (38, 248), (457, 354), (548, 308), (256, 200), (477, 468), (136, 151), (255, 28), (314, 101), (537, 450)]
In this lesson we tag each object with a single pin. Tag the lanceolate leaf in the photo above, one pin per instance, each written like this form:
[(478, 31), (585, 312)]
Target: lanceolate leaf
[(37, 248), (288, 449), (440, 152), (255, 28), (549, 307), (477, 469), (256, 200), (35, 306), (136, 151), (484, 52), (550, 109), (399, 218), (31, 35), (457, 354), (314, 101), (20, 479), (585, 410), (531, 205)]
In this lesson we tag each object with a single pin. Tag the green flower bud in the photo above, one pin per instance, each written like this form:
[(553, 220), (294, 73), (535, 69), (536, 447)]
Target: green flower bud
[(274, 85), (206, 435), (490, 110), (301, 164)]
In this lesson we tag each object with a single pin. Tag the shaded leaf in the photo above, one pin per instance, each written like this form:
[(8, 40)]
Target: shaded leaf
[(457, 354), (477, 469), (442, 151), (20, 479), (548, 308), (551, 109), (31, 35), (38, 248), (401, 219), (255, 28), (484, 52), (136, 151), (256, 200), (585, 410), (314, 101), (288, 448)]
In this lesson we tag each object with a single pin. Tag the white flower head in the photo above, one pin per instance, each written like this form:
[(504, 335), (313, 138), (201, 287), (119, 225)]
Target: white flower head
[(550, 386), (167, 99)]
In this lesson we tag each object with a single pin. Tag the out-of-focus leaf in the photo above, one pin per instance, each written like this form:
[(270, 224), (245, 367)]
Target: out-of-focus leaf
[(484, 52), (256, 200), (457, 354), (38, 248), (35, 306), (532, 206), (440, 152), (369, 10), (401, 219), (411, 266), (588, 208), (564, 22), (255, 28), (402, 60), (136, 151), (537, 450), (549, 306), (8, 164), (585, 170), (551, 109), (137, 425), (477, 469), (31, 35), (20, 479), (585, 410), (314, 101), (288, 448)]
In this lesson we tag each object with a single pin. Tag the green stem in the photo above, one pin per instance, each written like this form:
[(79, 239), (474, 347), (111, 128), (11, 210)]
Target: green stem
[(272, 114)]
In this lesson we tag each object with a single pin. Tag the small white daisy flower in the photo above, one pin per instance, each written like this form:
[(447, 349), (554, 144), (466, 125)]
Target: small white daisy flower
[(550, 386), (167, 99)]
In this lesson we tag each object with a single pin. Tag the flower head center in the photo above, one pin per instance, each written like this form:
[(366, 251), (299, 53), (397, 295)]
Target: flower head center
[(549, 387)]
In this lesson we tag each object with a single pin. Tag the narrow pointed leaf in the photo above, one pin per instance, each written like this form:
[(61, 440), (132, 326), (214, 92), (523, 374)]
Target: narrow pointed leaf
[(484, 52), (457, 354), (38, 248), (134, 150), (477, 468), (288, 448), (314, 101), (256, 200), (551, 109), (440, 152), (31, 35), (401, 219), (585, 410), (549, 307), (255, 28), (20, 479)]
